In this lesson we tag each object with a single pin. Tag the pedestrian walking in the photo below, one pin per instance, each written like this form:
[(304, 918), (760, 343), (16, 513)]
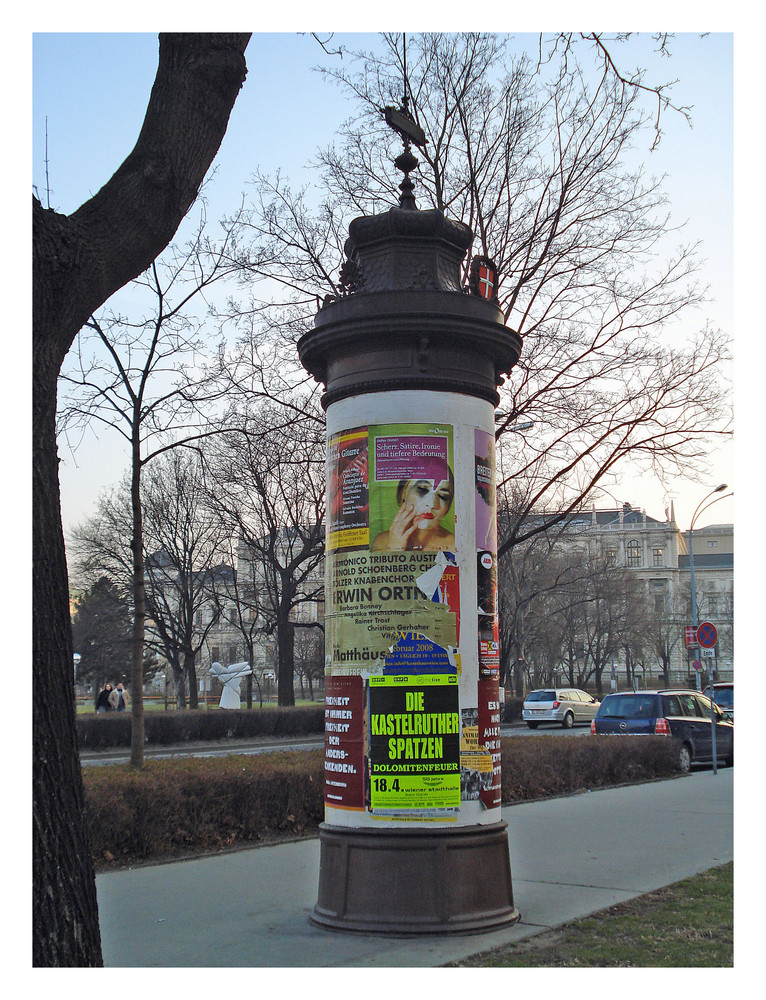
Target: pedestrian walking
[(102, 702), (114, 699), (122, 698)]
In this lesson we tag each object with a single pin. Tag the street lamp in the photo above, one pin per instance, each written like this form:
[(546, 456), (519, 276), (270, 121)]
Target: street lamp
[(718, 489)]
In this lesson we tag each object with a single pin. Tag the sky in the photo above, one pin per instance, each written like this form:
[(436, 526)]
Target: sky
[(89, 92)]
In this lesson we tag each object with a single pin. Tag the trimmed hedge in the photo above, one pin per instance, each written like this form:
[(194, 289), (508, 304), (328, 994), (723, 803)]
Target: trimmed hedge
[(559, 765), (202, 804), (169, 807), (112, 729)]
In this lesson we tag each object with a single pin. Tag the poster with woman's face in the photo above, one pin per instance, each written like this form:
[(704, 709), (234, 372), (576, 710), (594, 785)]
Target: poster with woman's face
[(411, 488)]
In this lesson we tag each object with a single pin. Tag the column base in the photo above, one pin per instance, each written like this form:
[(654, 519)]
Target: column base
[(420, 881)]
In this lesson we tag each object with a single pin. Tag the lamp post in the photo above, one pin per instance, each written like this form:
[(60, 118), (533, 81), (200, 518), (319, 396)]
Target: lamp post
[(718, 489)]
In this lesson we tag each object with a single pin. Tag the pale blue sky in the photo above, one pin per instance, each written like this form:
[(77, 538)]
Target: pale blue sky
[(93, 89)]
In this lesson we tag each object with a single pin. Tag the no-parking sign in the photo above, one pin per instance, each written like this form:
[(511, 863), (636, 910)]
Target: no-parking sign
[(707, 635)]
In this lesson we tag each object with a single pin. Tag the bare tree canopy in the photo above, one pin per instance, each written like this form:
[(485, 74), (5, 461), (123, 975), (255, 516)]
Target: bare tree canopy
[(266, 480), (537, 153), (78, 262)]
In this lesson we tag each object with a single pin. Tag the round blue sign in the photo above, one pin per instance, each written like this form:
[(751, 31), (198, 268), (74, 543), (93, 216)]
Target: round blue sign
[(707, 636)]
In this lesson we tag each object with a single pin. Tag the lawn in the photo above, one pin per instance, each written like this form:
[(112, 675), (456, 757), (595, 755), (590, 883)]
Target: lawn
[(689, 924)]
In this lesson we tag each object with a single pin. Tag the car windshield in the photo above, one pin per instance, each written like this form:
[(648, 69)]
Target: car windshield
[(724, 697), (628, 706), (541, 696)]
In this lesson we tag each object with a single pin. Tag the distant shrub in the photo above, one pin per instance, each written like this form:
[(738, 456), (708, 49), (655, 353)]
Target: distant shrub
[(203, 804), (113, 729), (556, 765)]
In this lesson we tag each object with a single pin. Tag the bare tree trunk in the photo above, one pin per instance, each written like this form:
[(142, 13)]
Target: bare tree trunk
[(191, 677), (64, 912), (78, 262), (286, 668), (139, 614)]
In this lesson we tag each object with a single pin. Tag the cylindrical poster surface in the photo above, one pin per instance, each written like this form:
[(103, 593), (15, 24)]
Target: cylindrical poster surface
[(412, 660)]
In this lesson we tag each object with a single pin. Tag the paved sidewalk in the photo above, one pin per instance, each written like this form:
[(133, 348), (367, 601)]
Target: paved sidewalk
[(569, 857)]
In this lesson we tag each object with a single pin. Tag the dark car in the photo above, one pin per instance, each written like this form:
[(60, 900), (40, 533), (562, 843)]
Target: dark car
[(723, 696), (682, 714)]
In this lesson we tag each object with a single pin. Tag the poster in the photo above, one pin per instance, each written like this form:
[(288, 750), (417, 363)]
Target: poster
[(375, 598), (392, 577), (486, 555), (485, 498), (412, 488), (344, 742), (488, 736), (397, 744), (414, 735), (347, 490)]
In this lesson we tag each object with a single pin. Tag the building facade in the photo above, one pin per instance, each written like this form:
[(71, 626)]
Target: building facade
[(657, 551)]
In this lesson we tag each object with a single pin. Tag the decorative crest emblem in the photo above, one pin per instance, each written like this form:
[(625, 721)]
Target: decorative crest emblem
[(483, 280)]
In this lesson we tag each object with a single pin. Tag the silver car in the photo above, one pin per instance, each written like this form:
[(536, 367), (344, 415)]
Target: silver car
[(565, 706)]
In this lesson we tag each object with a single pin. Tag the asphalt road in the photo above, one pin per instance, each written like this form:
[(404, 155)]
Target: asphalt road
[(219, 748)]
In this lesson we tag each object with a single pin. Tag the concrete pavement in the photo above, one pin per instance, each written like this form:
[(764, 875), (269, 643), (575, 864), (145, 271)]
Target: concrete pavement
[(569, 857)]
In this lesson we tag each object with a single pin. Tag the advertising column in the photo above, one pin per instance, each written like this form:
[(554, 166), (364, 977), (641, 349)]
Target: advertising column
[(412, 657)]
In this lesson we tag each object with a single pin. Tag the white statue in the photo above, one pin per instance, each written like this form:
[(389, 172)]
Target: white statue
[(230, 677)]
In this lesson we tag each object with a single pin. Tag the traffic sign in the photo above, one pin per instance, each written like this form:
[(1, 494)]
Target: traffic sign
[(696, 665), (690, 636), (708, 654), (707, 636)]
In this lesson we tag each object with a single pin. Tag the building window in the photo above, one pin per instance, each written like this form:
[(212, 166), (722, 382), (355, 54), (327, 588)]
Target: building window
[(634, 554), (215, 654), (657, 559), (712, 545), (611, 557)]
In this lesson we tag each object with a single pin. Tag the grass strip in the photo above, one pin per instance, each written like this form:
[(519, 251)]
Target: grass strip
[(689, 924)]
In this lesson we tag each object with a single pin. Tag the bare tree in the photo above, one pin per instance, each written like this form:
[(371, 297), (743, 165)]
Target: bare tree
[(78, 262), (143, 378), (540, 593), (536, 151), (309, 658), (266, 480), (238, 592), (185, 574), (184, 544)]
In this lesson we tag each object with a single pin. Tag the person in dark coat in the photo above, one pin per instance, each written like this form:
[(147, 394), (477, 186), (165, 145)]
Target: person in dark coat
[(102, 702)]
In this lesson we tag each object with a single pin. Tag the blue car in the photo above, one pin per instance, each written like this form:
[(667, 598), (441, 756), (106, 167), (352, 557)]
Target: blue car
[(682, 714)]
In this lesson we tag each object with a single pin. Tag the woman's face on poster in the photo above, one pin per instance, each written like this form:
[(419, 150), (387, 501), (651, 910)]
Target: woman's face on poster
[(430, 501)]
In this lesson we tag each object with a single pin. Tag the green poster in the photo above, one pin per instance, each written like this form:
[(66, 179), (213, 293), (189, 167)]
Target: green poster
[(414, 744)]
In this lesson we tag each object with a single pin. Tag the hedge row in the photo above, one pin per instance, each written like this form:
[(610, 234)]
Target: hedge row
[(99, 732), (204, 804), (558, 765), (112, 729)]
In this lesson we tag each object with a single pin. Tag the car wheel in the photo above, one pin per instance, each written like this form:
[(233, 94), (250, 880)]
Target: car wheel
[(568, 721), (684, 760), (532, 725)]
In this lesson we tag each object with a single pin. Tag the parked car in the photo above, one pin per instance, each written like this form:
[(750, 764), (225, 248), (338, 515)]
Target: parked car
[(723, 697), (564, 706), (679, 713)]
